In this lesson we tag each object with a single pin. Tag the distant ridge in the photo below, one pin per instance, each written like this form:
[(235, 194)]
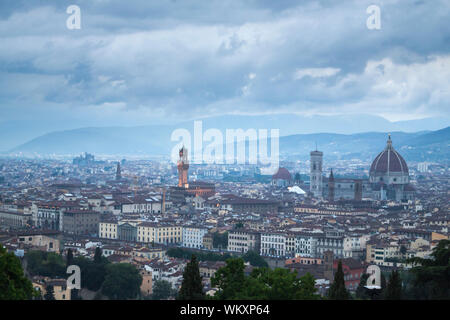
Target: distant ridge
[(21, 132), (155, 140)]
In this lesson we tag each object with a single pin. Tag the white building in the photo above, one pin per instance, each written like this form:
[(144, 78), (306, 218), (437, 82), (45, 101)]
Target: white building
[(273, 244), (353, 244), (193, 237), (305, 245)]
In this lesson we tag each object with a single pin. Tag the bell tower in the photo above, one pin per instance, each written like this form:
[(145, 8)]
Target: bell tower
[(315, 186), (331, 187), (118, 172), (183, 166)]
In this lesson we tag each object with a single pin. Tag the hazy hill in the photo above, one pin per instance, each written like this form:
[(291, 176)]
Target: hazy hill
[(30, 135), (155, 140)]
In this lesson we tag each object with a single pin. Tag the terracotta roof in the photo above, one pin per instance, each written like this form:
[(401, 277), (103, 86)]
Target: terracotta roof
[(282, 174)]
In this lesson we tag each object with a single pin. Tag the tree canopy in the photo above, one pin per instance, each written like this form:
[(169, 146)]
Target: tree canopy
[(92, 274), (122, 281), (220, 240), (255, 259), (431, 277), (261, 284), (201, 256), (49, 293), (14, 285), (162, 290), (48, 264), (394, 287)]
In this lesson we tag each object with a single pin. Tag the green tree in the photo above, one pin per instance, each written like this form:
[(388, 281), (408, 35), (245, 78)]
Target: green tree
[(191, 287), (337, 289), (238, 225), (361, 291), (220, 240), (98, 255), (380, 296), (162, 290), (13, 283), (229, 279), (122, 281), (432, 276), (75, 294), (49, 264), (49, 293), (201, 256), (92, 274), (261, 284), (394, 287), (278, 284), (307, 289), (69, 257), (255, 259)]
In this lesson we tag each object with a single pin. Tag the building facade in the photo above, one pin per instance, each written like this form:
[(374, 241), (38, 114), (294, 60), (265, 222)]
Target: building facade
[(81, 222), (243, 241), (193, 237)]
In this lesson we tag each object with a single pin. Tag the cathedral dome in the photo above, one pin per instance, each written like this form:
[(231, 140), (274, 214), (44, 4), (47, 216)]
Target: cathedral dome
[(282, 174), (389, 161)]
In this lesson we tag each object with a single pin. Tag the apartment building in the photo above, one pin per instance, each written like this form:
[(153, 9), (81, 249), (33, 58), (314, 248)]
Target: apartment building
[(193, 237), (243, 240), (273, 244), (81, 222), (149, 232)]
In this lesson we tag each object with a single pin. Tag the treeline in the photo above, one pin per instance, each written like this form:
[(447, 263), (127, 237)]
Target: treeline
[(251, 256), (201, 256), (115, 281), (232, 283)]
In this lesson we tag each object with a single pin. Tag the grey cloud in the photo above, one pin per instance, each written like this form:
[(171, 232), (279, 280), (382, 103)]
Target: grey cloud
[(181, 59)]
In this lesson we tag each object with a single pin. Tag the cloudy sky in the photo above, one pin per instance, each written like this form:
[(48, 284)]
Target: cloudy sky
[(153, 61)]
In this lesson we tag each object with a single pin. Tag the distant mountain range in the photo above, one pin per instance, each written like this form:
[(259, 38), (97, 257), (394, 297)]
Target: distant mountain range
[(156, 139), (418, 146)]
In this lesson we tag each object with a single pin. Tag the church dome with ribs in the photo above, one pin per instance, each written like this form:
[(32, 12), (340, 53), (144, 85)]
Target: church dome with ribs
[(282, 174), (389, 161)]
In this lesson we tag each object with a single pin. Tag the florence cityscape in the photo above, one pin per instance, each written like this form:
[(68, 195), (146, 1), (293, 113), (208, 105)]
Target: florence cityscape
[(224, 150)]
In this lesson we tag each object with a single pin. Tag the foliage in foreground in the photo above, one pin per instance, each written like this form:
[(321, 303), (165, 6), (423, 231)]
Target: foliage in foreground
[(261, 284), (14, 285)]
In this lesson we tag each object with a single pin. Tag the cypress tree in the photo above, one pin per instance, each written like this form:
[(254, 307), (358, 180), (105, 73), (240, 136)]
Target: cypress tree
[(98, 255), (361, 291), (49, 294), (69, 258), (191, 287), (394, 287), (337, 289)]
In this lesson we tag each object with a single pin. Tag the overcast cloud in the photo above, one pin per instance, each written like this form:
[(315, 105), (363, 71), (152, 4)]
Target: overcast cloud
[(138, 62)]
